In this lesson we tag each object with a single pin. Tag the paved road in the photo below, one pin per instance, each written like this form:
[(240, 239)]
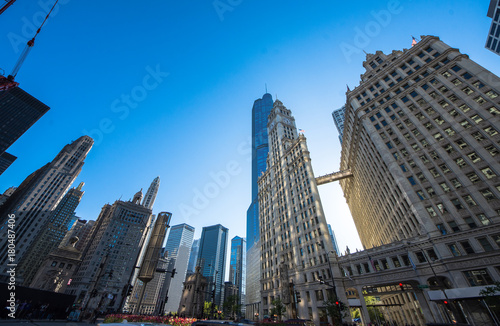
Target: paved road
[(24, 322)]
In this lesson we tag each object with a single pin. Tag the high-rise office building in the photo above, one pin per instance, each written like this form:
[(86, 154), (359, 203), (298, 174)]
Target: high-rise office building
[(80, 229), (212, 260), (493, 40), (296, 246), (422, 143), (6, 194), (177, 249), (18, 112), (35, 199), (50, 235), (193, 257), (111, 256), (237, 269), (338, 119), (6, 160), (260, 148), (334, 239), (150, 197)]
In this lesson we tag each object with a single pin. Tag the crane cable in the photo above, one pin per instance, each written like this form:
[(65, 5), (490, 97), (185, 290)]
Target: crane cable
[(28, 47)]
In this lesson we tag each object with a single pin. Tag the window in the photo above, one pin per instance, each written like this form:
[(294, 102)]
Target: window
[(491, 94), (457, 204), (494, 111), (490, 131), (445, 187), (492, 150), (412, 181), (434, 173), (54, 263), (438, 136), (448, 148), (454, 250), (474, 157), (483, 219), (470, 222), (488, 173), (441, 208), (449, 131), (319, 295), (487, 194), (453, 225), (461, 162), (478, 277), (467, 90), (424, 159), (396, 262), (479, 100), (477, 119), (464, 108), (456, 183), (473, 177), (483, 241), (441, 229), (420, 257), (465, 124), (467, 247), (478, 84), (421, 177), (477, 136), (445, 168), (431, 211), (431, 192), (461, 143)]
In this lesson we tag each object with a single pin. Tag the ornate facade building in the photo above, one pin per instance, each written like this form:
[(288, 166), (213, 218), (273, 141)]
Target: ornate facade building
[(296, 248), (421, 138)]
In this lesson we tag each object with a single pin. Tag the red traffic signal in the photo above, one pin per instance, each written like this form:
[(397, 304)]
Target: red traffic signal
[(337, 303), (401, 286), (445, 302)]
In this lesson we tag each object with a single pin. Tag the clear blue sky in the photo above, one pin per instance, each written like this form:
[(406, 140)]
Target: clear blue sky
[(191, 118)]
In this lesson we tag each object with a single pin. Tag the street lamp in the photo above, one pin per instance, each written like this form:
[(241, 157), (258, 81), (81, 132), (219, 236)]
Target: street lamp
[(321, 281)]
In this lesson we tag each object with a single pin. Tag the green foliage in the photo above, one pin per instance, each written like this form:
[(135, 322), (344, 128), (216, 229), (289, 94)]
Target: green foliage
[(337, 312), (231, 306), (279, 308), (491, 295)]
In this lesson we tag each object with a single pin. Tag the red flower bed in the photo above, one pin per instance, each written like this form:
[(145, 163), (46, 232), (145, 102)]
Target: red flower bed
[(174, 321)]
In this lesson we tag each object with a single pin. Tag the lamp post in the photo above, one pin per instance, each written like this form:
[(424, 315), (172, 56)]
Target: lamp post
[(320, 244)]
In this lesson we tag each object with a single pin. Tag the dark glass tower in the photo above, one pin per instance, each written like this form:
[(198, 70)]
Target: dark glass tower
[(18, 112), (237, 268), (212, 259), (260, 148)]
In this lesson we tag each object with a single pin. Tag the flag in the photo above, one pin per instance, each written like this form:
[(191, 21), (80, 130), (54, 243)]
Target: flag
[(346, 272), (373, 264), (412, 263), (414, 41), (301, 130)]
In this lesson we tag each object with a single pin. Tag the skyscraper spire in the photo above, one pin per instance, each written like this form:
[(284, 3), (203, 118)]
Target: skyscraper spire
[(150, 197)]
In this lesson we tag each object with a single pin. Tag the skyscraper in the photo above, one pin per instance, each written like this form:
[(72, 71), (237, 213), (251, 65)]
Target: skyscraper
[(193, 256), (50, 235), (260, 148), (80, 229), (149, 198), (334, 239), (338, 119), (237, 269), (34, 200), (18, 112), (296, 246), (6, 160), (212, 259), (493, 40), (422, 145), (110, 259), (177, 249)]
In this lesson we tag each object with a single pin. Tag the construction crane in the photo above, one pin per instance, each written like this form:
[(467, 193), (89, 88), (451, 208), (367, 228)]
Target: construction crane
[(7, 5), (9, 82)]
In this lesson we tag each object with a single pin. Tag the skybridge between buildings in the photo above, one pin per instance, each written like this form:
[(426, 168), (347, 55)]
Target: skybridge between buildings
[(335, 176)]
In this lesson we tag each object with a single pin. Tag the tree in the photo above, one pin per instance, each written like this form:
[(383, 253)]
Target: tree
[(279, 308), (231, 305), (491, 295), (335, 309), (209, 309)]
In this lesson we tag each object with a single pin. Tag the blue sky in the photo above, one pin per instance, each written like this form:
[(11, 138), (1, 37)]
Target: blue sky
[(191, 73)]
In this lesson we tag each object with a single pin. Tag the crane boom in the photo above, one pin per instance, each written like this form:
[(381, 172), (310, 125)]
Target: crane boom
[(7, 5)]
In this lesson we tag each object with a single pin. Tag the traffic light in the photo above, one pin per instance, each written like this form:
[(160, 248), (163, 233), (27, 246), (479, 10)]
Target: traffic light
[(337, 303), (173, 272), (130, 288), (297, 296), (445, 302), (111, 274), (401, 286)]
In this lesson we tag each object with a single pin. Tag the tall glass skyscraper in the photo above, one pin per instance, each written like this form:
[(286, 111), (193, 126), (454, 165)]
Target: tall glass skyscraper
[(260, 148), (237, 268), (212, 259), (177, 249), (193, 257)]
